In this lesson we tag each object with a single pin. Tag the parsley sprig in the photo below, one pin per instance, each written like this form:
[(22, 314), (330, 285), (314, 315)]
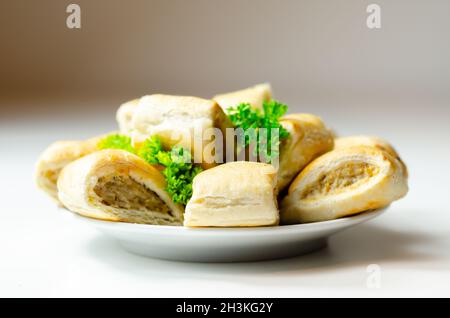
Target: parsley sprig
[(263, 141), (116, 141), (178, 168)]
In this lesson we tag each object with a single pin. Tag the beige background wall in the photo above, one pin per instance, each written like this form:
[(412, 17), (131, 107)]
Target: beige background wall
[(311, 51)]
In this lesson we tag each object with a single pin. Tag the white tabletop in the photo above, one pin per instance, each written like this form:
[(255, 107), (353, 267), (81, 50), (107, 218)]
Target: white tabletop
[(44, 252)]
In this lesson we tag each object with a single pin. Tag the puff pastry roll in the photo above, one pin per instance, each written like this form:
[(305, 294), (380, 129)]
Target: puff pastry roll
[(308, 139), (371, 141), (183, 121), (234, 194), (255, 96), (56, 157), (361, 140), (344, 182), (124, 115), (116, 185)]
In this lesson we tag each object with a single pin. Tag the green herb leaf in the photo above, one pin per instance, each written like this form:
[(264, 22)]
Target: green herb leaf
[(116, 141), (243, 116), (150, 149), (179, 171)]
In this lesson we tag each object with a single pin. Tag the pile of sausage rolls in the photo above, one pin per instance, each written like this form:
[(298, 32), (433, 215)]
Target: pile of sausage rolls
[(319, 176)]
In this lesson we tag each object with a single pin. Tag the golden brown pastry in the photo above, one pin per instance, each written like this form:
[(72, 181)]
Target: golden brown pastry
[(116, 185), (344, 182), (124, 115), (234, 194), (371, 141), (255, 96), (308, 139), (361, 140), (183, 121), (56, 157)]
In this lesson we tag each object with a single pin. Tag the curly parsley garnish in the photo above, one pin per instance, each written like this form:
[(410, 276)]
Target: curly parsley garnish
[(253, 120), (178, 168), (116, 141)]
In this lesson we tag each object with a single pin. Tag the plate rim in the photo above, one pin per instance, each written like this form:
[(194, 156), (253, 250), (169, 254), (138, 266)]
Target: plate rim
[(124, 226)]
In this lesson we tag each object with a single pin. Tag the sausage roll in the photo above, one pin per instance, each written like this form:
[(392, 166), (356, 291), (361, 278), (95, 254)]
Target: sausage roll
[(116, 185), (361, 140), (344, 182), (56, 157), (183, 121), (308, 138), (371, 141), (234, 194), (124, 116), (255, 96)]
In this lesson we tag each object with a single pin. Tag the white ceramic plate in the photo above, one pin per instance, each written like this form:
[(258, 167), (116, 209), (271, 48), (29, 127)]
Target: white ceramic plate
[(225, 244)]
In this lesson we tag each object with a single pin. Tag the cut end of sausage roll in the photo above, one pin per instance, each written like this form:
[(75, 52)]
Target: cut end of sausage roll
[(56, 157), (255, 96), (308, 139), (182, 121), (124, 115), (234, 194), (344, 182), (116, 185)]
